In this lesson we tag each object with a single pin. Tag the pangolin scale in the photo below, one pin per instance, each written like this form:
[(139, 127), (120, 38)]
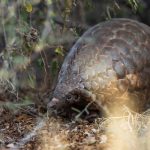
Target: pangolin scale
[(110, 66)]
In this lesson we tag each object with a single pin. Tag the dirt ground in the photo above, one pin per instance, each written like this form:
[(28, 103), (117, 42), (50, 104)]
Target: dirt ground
[(25, 130), (28, 132)]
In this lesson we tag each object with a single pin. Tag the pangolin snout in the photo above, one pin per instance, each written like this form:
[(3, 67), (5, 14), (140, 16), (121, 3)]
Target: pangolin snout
[(53, 103)]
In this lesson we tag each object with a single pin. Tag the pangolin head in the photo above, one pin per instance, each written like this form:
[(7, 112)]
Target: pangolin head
[(69, 97)]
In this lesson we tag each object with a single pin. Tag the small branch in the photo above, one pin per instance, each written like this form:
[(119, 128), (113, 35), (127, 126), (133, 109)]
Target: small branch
[(70, 24), (30, 135), (84, 110)]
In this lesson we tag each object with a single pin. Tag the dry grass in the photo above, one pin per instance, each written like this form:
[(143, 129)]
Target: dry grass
[(131, 131)]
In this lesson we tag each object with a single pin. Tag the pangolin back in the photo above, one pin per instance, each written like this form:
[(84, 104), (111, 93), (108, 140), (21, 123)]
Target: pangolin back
[(111, 61)]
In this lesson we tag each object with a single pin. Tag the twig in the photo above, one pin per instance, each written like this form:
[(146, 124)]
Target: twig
[(84, 110), (71, 24), (30, 135)]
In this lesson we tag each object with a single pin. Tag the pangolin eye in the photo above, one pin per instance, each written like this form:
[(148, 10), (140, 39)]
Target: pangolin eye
[(68, 97)]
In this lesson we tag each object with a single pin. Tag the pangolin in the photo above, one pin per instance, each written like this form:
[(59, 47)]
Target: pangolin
[(107, 68)]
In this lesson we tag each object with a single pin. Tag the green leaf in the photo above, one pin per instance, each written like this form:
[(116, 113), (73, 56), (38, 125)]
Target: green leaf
[(54, 67), (20, 61), (49, 2), (59, 50), (31, 80), (28, 7), (134, 4)]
